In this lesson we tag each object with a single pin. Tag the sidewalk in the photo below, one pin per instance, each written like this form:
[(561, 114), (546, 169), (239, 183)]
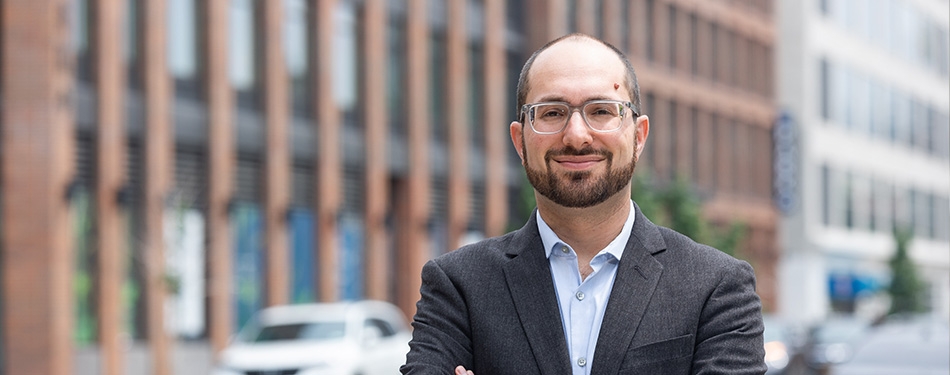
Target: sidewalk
[(188, 358)]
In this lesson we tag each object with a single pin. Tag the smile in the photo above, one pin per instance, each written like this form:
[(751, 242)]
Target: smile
[(578, 162)]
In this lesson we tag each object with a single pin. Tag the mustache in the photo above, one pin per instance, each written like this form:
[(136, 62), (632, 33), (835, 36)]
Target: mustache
[(572, 151)]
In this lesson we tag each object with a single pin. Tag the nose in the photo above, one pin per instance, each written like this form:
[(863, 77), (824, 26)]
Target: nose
[(576, 133)]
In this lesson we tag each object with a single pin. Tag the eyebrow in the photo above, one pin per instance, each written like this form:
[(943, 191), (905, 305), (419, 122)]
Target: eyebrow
[(557, 98)]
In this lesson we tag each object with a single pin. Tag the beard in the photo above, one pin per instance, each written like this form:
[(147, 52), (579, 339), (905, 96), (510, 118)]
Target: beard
[(578, 189)]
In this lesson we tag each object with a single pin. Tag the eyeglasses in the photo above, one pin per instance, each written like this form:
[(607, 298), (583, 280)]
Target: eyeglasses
[(603, 116)]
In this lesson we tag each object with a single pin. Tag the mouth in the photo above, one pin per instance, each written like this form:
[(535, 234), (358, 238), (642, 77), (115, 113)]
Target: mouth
[(578, 162)]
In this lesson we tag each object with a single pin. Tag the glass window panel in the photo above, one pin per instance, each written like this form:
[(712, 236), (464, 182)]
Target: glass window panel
[(242, 45), (860, 103), (437, 83), (130, 41), (880, 206), (671, 36), (825, 195), (880, 110), (297, 55), (839, 95), (943, 218), (345, 61), (902, 108), (826, 87), (182, 39), (648, 20), (396, 73), (878, 17), (902, 208), (919, 125), (80, 38), (694, 44), (296, 42)]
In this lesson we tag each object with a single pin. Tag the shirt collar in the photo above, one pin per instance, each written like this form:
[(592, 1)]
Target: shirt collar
[(550, 239)]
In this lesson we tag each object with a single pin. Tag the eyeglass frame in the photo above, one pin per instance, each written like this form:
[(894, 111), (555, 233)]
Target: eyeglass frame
[(576, 108)]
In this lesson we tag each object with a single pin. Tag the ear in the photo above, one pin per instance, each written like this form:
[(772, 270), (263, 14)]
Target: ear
[(516, 129), (643, 130)]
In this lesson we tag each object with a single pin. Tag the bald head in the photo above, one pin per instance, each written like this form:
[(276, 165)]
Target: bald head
[(541, 55)]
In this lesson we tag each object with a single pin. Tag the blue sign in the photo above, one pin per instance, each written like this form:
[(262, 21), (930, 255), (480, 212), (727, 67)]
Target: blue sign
[(785, 168)]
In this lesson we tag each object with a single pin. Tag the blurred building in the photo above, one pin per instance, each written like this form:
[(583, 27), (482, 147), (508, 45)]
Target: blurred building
[(171, 166), (864, 148)]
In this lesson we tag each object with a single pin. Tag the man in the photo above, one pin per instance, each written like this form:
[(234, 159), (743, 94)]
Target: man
[(589, 285)]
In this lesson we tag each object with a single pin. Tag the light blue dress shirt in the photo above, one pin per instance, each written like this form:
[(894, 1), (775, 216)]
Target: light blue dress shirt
[(583, 302)]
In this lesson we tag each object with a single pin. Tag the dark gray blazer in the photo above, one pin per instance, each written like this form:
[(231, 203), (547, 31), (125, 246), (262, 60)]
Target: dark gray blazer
[(677, 307)]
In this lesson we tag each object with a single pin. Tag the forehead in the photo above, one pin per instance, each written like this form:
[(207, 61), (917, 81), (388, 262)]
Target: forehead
[(577, 70)]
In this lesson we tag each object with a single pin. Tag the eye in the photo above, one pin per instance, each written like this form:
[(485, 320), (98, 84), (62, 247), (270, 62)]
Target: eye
[(551, 112), (602, 109)]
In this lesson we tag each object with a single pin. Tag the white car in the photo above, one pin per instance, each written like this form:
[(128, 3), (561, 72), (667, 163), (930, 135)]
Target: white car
[(345, 338)]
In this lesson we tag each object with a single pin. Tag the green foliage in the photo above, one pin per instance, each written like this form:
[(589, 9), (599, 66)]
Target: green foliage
[(906, 289), (679, 208)]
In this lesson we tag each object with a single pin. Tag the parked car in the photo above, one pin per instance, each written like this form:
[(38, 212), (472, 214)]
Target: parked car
[(352, 338), (903, 346), (833, 341), (783, 341)]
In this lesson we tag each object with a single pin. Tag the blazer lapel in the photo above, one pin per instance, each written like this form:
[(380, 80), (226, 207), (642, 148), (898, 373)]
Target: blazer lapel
[(637, 276), (532, 289)]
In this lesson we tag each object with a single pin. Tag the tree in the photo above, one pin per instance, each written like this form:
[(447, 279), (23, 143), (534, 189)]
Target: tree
[(679, 208), (906, 289)]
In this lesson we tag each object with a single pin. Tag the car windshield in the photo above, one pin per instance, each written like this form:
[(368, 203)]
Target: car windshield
[(299, 331)]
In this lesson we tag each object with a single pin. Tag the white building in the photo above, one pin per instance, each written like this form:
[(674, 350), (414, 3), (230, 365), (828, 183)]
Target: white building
[(864, 86)]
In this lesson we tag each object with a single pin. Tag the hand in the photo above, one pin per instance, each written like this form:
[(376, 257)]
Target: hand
[(462, 371)]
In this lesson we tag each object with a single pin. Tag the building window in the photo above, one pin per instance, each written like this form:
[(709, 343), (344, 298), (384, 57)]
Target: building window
[(80, 39), (671, 144), (183, 47), (395, 76), (693, 44), (345, 63), (671, 37), (694, 146), (649, 103), (243, 72), (714, 52), (438, 79), (130, 50), (651, 33), (825, 195), (849, 198), (297, 47)]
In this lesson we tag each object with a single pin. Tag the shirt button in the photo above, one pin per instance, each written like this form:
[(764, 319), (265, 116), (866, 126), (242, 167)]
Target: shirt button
[(582, 361), (580, 296), (564, 249)]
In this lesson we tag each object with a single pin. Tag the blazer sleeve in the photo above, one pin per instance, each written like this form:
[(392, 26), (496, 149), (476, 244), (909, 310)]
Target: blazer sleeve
[(729, 336), (441, 335)]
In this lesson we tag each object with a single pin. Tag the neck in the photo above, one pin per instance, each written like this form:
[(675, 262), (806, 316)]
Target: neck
[(587, 230)]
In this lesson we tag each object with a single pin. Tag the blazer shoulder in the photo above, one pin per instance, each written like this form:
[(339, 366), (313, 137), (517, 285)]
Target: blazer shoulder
[(681, 246), (486, 251)]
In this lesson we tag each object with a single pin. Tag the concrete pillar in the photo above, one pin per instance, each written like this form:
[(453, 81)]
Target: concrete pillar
[(221, 160), (276, 156), (458, 137), (586, 17), (37, 165), (110, 179), (159, 169), (375, 107), (414, 245), (547, 19), (613, 19), (329, 182), (497, 116)]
